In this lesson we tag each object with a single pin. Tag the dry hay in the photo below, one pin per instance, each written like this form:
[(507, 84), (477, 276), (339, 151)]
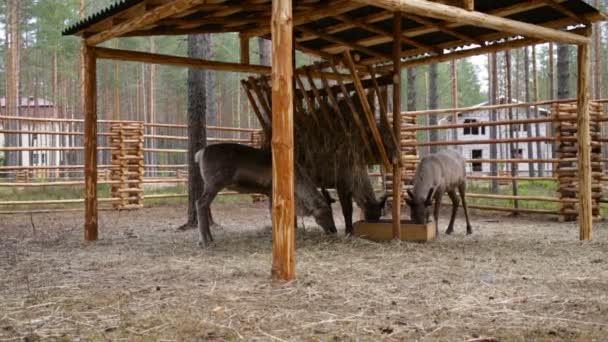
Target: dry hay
[(515, 279), (329, 139)]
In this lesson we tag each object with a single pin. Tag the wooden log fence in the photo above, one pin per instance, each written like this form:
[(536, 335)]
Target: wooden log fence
[(563, 175), (127, 189)]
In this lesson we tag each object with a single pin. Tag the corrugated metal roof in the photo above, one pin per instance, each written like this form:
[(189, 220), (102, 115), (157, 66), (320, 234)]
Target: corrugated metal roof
[(94, 18)]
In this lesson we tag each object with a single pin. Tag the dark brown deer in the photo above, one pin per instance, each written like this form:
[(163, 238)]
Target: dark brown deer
[(354, 183), (249, 170), (437, 174)]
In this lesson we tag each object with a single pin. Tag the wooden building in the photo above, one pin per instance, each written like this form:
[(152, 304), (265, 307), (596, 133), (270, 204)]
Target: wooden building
[(383, 36)]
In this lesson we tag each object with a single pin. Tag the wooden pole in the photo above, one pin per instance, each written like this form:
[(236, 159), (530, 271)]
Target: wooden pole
[(244, 50), (283, 204), (584, 144), (397, 123), (155, 58), (90, 143)]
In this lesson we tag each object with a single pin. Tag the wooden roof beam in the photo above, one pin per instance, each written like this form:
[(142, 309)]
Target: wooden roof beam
[(469, 5), (562, 9), (342, 42), (381, 16), (146, 57), (456, 14), (488, 37), (496, 47), (440, 26), (369, 27), (343, 26), (149, 17), (332, 8)]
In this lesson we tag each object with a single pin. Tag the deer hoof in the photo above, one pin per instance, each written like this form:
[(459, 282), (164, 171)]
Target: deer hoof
[(449, 231), (203, 244)]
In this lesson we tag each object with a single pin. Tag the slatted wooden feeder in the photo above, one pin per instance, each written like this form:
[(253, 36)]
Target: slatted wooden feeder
[(387, 34)]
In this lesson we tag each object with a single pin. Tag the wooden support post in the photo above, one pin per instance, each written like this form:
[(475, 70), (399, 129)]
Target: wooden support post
[(584, 144), (283, 200), (397, 123), (90, 143), (244, 50)]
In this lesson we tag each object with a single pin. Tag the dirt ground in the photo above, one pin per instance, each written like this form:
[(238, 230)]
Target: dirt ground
[(515, 279)]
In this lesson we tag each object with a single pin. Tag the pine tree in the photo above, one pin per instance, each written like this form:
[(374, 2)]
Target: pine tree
[(199, 46), (433, 103)]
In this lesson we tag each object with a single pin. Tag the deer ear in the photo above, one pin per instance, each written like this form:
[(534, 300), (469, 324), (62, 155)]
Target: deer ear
[(409, 202), (429, 197), (383, 200), (410, 193)]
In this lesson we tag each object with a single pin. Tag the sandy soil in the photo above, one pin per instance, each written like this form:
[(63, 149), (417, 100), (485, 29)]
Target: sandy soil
[(514, 279)]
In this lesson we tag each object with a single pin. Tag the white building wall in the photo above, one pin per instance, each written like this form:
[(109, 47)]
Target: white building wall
[(503, 149)]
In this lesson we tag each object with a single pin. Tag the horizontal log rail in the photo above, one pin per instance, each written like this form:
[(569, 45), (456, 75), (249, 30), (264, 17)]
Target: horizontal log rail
[(490, 107), (146, 124), (484, 142), (511, 178), (415, 128)]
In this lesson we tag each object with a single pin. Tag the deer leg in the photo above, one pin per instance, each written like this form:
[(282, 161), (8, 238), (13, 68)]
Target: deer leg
[(436, 212), (346, 202), (203, 223), (462, 188), (455, 202), (203, 213)]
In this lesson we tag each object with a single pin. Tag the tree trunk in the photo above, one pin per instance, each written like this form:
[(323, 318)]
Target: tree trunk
[(539, 147), (563, 71), (597, 63), (264, 48), (493, 84), (13, 76), (199, 85), (513, 147), (411, 89), (433, 103), (152, 106), (528, 111)]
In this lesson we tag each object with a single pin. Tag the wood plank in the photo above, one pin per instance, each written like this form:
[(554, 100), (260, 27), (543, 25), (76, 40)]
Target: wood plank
[(341, 42), (354, 111), (283, 199), (332, 8), (371, 121), (375, 29)]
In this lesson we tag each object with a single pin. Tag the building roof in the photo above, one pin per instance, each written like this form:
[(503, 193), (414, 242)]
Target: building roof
[(29, 102), (328, 27)]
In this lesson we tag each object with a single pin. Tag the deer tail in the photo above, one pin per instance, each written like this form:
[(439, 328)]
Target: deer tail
[(198, 156)]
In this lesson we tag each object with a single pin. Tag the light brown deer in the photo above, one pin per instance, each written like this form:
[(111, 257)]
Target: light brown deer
[(437, 174)]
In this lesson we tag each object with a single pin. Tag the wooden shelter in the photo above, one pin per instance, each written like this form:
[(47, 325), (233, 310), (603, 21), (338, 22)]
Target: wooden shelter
[(387, 34)]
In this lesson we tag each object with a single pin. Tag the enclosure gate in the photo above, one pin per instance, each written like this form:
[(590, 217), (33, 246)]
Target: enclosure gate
[(567, 153), (127, 144)]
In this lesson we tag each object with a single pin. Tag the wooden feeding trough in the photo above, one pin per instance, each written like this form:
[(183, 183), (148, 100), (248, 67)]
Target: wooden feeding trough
[(383, 231)]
